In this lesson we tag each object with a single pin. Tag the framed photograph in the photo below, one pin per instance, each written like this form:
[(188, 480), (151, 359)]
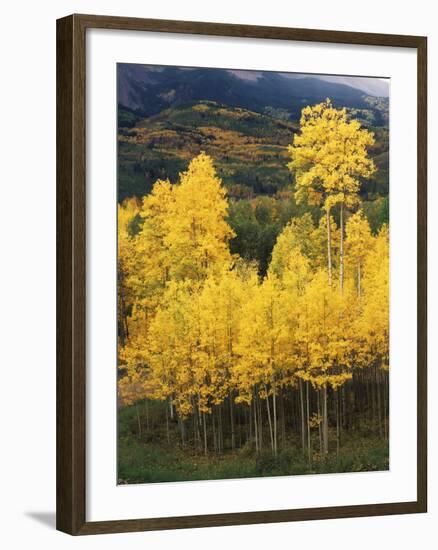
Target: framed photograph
[(241, 274)]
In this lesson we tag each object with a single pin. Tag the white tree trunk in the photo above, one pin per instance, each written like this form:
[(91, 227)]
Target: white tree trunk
[(341, 249), (329, 248)]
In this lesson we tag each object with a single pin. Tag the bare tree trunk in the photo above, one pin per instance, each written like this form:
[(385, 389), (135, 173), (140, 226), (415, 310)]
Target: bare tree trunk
[(282, 419), (341, 249), (379, 404), (324, 419), (213, 423), (385, 407), (205, 432), (221, 433), (268, 408), (167, 425), (303, 436), (233, 439), (197, 430), (138, 420), (309, 441), (329, 247), (255, 426), (274, 412), (123, 322), (359, 289), (373, 395), (146, 407), (260, 422), (249, 427), (343, 408), (337, 424), (318, 404), (182, 430)]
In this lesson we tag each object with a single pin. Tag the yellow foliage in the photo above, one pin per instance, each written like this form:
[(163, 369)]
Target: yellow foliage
[(202, 326), (329, 155)]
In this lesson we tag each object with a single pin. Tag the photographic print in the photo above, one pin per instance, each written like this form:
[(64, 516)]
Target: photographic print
[(253, 274)]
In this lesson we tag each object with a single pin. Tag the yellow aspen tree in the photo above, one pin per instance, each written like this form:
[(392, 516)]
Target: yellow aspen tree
[(151, 254), (220, 305), (197, 233), (358, 243), (126, 215), (373, 325), (295, 276), (172, 352), (259, 368), (324, 331), (328, 157), (296, 236)]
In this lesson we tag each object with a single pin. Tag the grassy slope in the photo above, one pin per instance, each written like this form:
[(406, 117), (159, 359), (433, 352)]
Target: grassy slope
[(148, 457)]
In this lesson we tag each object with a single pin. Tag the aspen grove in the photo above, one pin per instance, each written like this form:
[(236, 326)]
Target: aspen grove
[(296, 356)]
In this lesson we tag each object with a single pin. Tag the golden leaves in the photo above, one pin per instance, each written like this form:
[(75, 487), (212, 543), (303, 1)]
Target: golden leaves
[(200, 323), (329, 155)]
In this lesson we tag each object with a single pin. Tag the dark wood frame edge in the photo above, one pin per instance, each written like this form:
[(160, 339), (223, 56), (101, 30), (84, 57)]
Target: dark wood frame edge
[(71, 255)]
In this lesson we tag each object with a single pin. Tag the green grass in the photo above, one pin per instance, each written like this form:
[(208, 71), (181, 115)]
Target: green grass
[(149, 458)]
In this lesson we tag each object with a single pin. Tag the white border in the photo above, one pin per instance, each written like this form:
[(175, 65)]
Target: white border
[(106, 500)]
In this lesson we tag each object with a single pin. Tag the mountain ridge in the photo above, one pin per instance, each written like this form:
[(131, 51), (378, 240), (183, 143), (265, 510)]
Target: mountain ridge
[(147, 90)]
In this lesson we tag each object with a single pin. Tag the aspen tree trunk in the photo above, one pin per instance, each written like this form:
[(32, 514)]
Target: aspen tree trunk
[(309, 442), (341, 249), (205, 432), (198, 432), (318, 404), (194, 431), (181, 426), (233, 439), (303, 436), (274, 411), (167, 425), (343, 408), (359, 290), (373, 396), (329, 247), (214, 430), (124, 332), (337, 424), (282, 419), (325, 418), (268, 408), (146, 406), (221, 433), (138, 420), (379, 403), (255, 426), (249, 425), (368, 401), (385, 406), (260, 422)]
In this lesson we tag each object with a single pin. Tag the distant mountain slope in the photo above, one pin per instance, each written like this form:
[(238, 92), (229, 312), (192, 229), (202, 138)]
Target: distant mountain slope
[(147, 90), (249, 149)]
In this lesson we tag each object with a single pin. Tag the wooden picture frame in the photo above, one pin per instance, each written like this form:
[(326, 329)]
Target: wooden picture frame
[(71, 273)]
